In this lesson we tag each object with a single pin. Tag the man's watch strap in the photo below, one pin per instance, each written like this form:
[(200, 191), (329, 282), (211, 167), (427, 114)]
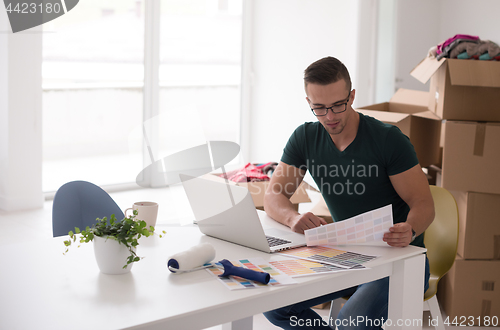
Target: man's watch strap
[(413, 235)]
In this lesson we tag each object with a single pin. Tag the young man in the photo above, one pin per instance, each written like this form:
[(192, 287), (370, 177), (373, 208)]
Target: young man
[(359, 164)]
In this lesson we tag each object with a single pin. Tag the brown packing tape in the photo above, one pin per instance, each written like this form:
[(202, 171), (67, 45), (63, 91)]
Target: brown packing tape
[(488, 286), (479, 139), (496, 247), (486, 309)]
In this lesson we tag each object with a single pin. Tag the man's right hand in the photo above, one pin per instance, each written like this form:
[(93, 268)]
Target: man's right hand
[(305, 221), (284, 182)]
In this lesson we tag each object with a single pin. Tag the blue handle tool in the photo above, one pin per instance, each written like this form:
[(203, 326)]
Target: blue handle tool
[(230, 269)]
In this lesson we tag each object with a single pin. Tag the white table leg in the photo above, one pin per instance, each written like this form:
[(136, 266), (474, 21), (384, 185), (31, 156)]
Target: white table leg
[(242, 324), (406, 292)]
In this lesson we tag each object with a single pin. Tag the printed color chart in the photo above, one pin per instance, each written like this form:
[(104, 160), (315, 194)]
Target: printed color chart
[(329, 255), (237, 283), (364, 229), (299, 267)]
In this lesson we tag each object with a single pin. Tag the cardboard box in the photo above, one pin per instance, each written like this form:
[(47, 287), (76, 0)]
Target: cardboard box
[(323, 305), (471, 157), (462, 89), (258, 189), (479, 232), (321, 210), (432, 174), (407, 110), (471, 290)]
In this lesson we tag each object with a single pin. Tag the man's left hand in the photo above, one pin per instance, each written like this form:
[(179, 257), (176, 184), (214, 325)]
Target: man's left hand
[(399, 235)]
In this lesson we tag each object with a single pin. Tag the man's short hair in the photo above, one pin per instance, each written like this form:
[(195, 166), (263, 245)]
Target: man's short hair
[(326, 71)]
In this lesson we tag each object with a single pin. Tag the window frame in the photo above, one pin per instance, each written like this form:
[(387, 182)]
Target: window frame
[(151, 91)]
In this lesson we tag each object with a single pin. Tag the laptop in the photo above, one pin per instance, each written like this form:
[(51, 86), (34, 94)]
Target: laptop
[(227, 212)]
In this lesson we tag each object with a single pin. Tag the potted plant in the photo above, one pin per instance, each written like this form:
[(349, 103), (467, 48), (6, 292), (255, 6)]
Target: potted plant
[(115, 242)]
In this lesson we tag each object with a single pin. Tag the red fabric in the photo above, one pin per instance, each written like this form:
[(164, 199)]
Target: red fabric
[(248, 173)]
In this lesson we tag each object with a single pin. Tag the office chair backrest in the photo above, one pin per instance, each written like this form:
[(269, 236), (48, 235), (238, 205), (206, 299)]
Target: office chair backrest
[(79, 204), (441, 237)]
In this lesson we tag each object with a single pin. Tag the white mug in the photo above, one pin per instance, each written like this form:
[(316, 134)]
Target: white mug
[(147, 211)]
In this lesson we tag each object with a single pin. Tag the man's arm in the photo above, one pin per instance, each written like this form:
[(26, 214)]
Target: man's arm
[(412, 186), (284, 182)]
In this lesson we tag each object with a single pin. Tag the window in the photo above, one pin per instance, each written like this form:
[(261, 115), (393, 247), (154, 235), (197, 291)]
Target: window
[(200, 57), (94, 88)]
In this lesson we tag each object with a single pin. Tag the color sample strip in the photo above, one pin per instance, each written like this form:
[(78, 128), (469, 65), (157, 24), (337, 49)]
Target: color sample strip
[(330, 256), (364, 229), (300, 267), (258, 264)]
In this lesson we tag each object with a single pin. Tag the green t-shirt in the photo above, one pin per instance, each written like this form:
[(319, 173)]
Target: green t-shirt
[(355, 180)]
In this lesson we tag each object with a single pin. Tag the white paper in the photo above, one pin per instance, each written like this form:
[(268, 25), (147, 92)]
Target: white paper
[(364, 229)]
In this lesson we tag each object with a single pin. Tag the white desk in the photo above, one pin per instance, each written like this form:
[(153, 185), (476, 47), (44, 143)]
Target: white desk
[(42, 289)]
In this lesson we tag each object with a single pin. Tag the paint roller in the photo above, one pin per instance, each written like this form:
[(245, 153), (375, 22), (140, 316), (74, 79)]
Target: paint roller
[(200, 257)]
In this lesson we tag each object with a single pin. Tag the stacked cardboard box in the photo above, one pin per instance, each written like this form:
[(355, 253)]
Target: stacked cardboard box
[(407, 109), (466, 95)]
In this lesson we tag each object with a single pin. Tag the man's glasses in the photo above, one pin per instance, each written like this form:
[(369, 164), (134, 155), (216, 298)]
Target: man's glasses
[(337, 108)]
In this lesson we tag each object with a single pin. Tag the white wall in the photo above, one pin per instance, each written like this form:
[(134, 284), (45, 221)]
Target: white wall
[(4, 101), (20, 118), (385, 50), (479, 17), (417, 31), (366, 63), (287, 36)]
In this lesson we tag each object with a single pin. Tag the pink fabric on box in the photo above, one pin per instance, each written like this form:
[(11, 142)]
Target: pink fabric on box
[(441, 46), (246, 174)]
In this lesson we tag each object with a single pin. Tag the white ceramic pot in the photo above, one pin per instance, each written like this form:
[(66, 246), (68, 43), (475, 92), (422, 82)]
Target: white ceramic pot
[(111, 256)]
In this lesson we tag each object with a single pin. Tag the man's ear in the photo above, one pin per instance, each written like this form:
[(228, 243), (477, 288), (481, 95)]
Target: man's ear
[(353, 94)]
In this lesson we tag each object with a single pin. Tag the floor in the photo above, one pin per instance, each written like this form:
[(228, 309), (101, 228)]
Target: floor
[(174, 209)]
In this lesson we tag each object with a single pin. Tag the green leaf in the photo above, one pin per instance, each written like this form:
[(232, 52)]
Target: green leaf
[(127, 232)]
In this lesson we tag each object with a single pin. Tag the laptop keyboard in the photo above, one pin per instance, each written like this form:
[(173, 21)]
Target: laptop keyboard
[(274, 241)]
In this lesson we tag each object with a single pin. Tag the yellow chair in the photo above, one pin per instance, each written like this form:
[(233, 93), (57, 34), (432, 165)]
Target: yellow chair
[(441, 240)]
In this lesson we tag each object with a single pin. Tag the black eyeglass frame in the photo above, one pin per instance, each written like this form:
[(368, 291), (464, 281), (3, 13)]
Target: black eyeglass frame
[(335, 105)]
